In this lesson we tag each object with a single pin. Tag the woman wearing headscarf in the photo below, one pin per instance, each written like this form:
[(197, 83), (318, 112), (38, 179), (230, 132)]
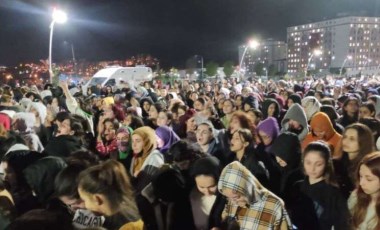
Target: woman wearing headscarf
[(166, 137), (311, 106), (23, 124), (124, 147)]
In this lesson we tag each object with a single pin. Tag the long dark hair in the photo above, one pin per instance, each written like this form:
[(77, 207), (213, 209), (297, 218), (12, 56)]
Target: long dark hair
[(324, 151), (372, 161)]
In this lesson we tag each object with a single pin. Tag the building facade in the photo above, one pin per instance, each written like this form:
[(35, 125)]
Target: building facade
[(350, 41), (269, 53)]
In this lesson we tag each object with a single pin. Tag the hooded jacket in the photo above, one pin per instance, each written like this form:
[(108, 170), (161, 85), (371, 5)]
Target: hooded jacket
[(311, 105), (168, 136), (41, 175), (63, 146), (331, 137), (288, 148), (296, 113), (264, 209), (270, 127)]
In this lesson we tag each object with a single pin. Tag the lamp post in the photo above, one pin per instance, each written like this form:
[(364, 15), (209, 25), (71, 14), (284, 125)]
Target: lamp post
[(344, 62), (58, 17), (316, 52), (253, 44), (201, 64)]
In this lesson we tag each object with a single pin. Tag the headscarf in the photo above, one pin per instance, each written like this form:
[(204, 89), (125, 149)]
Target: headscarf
[(168, 136)]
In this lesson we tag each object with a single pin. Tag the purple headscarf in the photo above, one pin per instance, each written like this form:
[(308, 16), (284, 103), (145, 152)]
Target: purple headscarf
[(168, 136)]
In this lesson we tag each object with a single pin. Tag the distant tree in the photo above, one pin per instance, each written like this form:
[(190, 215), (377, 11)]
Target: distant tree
[(211, 68), (336, 70), (272, 70), (228, 68), (259, 69)]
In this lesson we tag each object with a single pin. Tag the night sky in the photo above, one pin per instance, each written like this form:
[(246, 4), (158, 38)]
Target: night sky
[(171, 30)]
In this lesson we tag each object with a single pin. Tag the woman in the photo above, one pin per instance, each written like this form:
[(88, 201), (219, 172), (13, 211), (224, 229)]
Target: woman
[(228, 109), (322, 129), (166, 137), (286, 150), (154, 110), (271, 108), (106, 143), (267, 132), (124, 147), (256, 115), (106, 190), (239, 99), (311, 106), (66, 189), (366, 110), (242, 145), (357, 142), (316, 202), (23, 124), (67, 140), (364, 201), (165, 118), (350, 111), (146, 102), (250, 205), (206, 202)]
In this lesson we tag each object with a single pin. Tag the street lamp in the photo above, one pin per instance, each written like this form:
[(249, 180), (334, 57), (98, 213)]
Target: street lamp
[(344, 62), (58, 16), (201, 64), (253, 44), (266, 72), (316, 52)]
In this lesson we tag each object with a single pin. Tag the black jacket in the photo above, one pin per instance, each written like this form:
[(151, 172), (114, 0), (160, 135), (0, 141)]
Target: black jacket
[(63, 146)]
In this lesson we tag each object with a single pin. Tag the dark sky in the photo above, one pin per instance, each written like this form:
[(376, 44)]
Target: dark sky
[(172, 30)]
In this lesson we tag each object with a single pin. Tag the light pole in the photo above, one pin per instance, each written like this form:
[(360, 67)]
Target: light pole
[(60, 17), (266, 72), (316, 52), (201, 64), (344, 62), (253, 44)]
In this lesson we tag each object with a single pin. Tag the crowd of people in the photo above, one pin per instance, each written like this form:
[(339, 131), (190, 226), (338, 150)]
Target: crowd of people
[(191, 155)]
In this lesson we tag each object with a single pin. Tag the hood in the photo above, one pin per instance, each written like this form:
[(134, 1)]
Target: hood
[(311, 106), (270, 127), (238, 178), (296, 113), (168, 136), (40, 108), (377, 105), (41, 175), (295, 98), (288, 147), (17, 147), (266, 105), (322, 121), (28, 118)]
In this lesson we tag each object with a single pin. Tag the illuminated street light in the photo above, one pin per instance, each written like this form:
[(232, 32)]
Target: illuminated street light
[(344, 62), (58, 16), (316, 52), (253, 44)]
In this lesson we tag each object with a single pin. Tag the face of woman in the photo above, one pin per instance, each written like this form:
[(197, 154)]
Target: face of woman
[(290, 102), (204, 135), (271, 110), (146, 106), (369, 182), (153, 113), (352, 107), (64, 128), (9, 175), (160, 142), (128, 120), (206, 185), (239, 101), (181, 112), (162, 119), (191, 124), (227, 107), (246, 107), (137, 144), (235, 198), (364, 112), (234, 124), (237, 144), (54, 102), (72, 203), (350, 142), (314, 165), (109, 131), (265, 138)]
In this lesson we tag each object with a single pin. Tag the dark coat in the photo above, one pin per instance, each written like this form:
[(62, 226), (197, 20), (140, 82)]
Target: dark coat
[(63, 146)]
